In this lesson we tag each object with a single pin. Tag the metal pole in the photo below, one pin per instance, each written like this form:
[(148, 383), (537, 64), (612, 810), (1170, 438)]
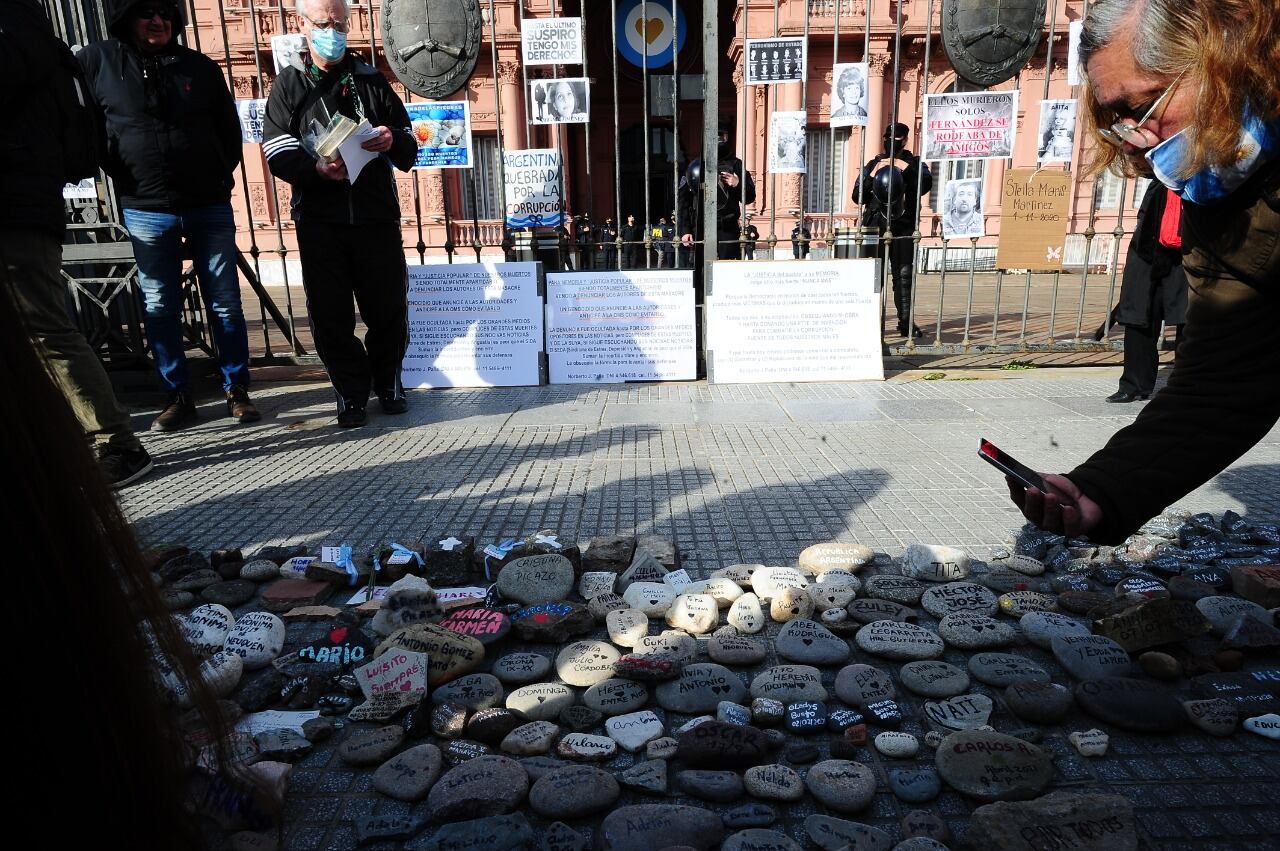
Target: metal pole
[(916, 235), (835, 58), (617, 145), (886, 270), (676, 147), (647, 240), (710, 109), (862, 137), (1089, 233), (497, 115), (586, 131)]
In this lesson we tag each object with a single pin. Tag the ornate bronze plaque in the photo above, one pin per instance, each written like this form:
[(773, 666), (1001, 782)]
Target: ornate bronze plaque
[(987, 41), (432, 45)]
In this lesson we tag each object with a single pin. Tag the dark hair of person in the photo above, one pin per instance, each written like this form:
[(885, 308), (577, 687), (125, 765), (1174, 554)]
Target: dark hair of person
[(99, 716)]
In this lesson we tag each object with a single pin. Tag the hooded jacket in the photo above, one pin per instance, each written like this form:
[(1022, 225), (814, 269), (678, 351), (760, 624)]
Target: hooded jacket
[(357, 90), (173, 134), (31, 169)]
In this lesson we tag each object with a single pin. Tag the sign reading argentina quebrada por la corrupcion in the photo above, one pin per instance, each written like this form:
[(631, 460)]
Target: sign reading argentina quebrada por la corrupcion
[(551, 41), (473, 325), (532, 188), (970, 126), (801, 320), (620, 326)]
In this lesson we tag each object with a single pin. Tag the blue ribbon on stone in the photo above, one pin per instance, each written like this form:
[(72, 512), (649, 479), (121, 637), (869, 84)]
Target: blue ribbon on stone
[(397, 549), (345, 562), (505, 547)]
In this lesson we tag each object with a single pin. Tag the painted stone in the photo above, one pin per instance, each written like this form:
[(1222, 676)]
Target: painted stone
[(900, 641), (1087, 822), (991, 766), (487, 784), (933, 563), (586, 662), (484, 625), (934, 678), (699, 688), (746, 614), (807, 642), (841, 785), (536, 579), (651, 598), (521, 668), (788, 683)]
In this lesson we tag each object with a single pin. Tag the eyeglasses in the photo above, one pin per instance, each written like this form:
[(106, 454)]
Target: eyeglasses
[(340, 26), (1122, 132), (148, 11)]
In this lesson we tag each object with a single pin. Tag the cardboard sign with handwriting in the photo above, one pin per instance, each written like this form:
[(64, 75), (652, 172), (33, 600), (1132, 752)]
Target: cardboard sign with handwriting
[(1034, 208)]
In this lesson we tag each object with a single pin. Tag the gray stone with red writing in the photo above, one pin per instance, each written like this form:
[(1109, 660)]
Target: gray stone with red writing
[(991, 766), (646, 827), (1087, 822)]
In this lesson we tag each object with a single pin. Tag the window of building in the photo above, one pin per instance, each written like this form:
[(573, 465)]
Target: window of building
[(484, 199), (1106, 192), (826, 158)]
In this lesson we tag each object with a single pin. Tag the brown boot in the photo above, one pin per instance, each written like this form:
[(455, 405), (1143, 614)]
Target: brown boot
[(239, 406), (179, 412)]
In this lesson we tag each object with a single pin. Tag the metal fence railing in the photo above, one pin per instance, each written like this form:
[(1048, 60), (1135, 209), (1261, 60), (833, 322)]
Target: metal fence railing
[(652, 111)]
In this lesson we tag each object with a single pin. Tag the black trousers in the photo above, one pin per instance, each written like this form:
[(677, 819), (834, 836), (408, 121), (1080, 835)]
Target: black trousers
[(901, 257), (365, 262), (1142, 357)]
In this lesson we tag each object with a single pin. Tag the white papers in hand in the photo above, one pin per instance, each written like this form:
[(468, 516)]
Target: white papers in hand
[(354, 156)]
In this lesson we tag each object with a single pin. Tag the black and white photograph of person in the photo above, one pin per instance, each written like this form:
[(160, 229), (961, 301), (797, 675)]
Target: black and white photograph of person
[(775, 60), (1057, 131), (849, 95), (962, 209), (287, 50), (564, 101), (786, 143)]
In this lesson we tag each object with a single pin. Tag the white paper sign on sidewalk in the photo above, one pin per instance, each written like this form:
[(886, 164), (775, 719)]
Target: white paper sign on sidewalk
[(620, 326), (473, 325), (803, 320)]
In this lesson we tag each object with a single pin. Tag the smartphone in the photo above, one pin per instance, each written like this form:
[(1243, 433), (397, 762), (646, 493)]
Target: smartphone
[(1009, 465)]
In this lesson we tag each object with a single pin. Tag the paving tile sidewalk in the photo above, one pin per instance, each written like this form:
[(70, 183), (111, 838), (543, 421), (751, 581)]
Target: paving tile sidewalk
[(733, 474)]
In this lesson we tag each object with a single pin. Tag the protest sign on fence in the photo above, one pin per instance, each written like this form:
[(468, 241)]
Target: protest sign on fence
[(533, 188), (801, 320), (1035, 207), (1057, 137), (252, 113), (551, 41), (473, 325), (442, 130), (775, 60), (970, 126), (620, 326)]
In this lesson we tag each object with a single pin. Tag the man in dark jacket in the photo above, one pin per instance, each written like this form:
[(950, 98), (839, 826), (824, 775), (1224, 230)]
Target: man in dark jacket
[(348, 232), (632, 243), (890, 204), (33, 172), (607, 243), (1153, 291), (173, 141), (734, 189)]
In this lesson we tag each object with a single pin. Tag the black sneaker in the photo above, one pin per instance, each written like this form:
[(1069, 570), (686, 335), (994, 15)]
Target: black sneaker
[(178, 413), (392, 402), (124, 466), (351, 414)]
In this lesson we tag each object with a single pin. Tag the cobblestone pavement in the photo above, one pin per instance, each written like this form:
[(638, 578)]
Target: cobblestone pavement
[(749, 474)]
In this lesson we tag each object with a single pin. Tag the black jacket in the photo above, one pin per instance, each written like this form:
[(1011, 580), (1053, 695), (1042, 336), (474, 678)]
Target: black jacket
[(901, 221), (295, 100), (1152, 271), (31, 172), (173, 134), (729, 200)]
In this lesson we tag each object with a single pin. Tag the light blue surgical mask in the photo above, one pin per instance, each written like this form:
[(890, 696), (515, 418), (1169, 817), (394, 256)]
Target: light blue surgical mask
[(328, 43), (1259, 143)]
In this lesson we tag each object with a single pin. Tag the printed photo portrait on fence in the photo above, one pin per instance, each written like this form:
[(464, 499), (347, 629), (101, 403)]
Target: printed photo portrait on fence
[(1057, 131), (442, 130), (849, 95), (287, 50), (786, 143), (970, 126), (552, 41), (563, 101), (775, 60), (962, 209)]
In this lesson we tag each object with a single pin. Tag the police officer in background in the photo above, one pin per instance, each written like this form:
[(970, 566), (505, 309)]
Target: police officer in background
[(582, 231), (734, 188), (887, 191)]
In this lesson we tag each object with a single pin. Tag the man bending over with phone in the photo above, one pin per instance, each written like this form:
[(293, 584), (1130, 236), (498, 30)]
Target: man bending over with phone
[(1188, 91)]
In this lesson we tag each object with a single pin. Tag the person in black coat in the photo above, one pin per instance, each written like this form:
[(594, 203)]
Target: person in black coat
[(1153, 290), (173, 144), (632, 243)]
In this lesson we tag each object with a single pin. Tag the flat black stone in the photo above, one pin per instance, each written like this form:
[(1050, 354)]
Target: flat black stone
[(1137, 705)]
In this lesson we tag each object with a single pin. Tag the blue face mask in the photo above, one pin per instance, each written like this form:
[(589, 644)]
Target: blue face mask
[(329, 44), (1259, 143)]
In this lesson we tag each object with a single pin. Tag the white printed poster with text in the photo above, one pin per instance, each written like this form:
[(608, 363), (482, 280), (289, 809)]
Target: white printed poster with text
[(620, 326), (473, 325), (551, 41), (533, 188), (800, 320), (970, 126)]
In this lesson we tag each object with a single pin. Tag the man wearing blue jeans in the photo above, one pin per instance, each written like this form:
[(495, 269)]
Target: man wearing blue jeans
[(173, 143)]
